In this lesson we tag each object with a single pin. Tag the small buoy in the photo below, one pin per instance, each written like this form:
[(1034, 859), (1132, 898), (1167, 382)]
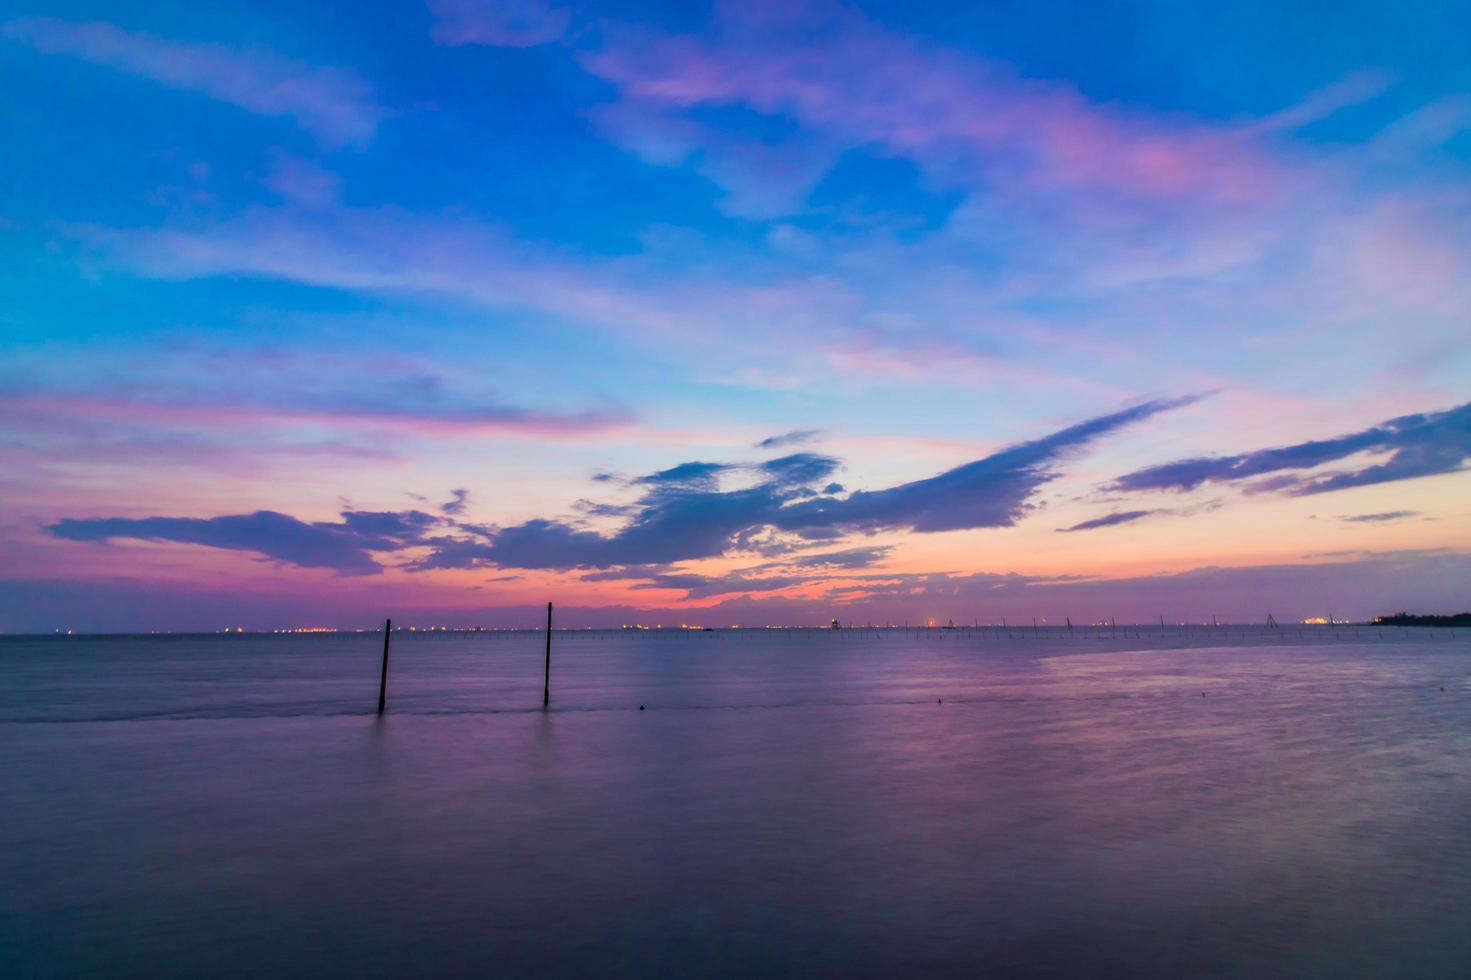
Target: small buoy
[(938, 701), (640, 707)]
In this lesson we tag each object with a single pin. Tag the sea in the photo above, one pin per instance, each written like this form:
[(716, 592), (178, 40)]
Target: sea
[(980, 802)]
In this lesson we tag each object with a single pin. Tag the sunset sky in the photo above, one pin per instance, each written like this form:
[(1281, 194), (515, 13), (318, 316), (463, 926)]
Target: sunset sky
[(732, 313)]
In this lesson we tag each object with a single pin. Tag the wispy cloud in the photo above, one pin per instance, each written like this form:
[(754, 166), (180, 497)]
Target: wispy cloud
[(1381, 518), (1353, 89), (797, 437), (200, 389), (1109, 520), (335, 105), (850, 82), (787, 573), (486, 418), (1424, 444)]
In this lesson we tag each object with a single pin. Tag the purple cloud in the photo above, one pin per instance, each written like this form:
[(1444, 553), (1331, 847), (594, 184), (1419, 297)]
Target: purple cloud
[(333, 104), (768, 577), (456, 505), (344, 547), (990, 492), (682, 522), (796, 437), (848, 558), (1381, 518), (1109, 520), (799, 469), (1425, 444)]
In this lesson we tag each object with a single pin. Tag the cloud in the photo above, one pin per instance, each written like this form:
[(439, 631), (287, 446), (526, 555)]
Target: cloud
[(541, 543), (1353, 89), (333, 104), (302, 183), (289, 393), (769, 577), (1390, 515), (684, 514), (1109, 520), (693, 474), (799, 469), (796, 437), (452, 553), (1425, 444), (846, 82), (848, 558), (990, 492), (499, 23), (344, 547), (456, 505), (1370, 584), (687, 516)]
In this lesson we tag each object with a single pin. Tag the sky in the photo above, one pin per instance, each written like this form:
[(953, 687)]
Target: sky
[(732, 313)]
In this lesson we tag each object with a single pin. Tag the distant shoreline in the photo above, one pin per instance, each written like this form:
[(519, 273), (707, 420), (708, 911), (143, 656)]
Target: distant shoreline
[(1405, 619)]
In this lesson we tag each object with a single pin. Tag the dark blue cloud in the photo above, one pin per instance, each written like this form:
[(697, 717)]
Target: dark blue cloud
[(1389, 515), (452, 553), (691, 474), (456, 505), (848, 558), (385, 530), (546, 544), (686, 517), (796, 437), (798, 469), (1109, 520), (1418, 445), (990, 492), (344, 547)]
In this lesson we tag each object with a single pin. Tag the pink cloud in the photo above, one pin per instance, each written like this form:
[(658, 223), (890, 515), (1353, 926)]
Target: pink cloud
[(335, 105), (840, 74)]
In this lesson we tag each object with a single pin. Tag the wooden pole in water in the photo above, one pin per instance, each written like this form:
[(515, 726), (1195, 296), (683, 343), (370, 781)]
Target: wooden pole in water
[(546, 688), (383, 677)]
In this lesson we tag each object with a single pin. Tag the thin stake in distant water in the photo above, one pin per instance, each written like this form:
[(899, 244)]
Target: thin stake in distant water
[(383, 677), (546, 684)]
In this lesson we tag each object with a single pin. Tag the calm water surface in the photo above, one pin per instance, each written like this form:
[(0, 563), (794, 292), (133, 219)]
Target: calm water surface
[(788, 803)]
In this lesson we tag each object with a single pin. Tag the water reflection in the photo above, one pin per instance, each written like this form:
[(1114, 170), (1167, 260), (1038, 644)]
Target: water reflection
[(786, 804)]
